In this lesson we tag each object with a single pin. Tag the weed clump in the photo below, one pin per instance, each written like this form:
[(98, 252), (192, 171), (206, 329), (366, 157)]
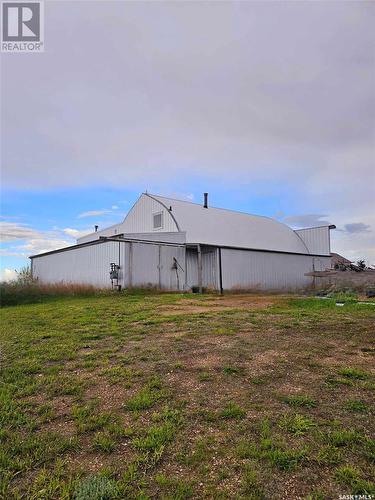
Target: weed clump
[(96, 488), (232, 410)]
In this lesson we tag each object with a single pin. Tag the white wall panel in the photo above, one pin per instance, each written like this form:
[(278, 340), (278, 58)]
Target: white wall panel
[(171, 278), (138, 220), (88, 265), (209, 268), (191, 268), (141, 265), (317, 239), (262, 270)]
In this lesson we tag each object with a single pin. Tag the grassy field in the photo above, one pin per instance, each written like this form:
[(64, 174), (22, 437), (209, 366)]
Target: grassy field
[(170, 396)]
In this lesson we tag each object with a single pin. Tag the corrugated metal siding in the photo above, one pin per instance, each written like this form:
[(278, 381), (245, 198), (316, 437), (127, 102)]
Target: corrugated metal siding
[(141, 264), (260, 270), (171, 278), (191, 268), (138, 220), (317, 239), (175, 237), (209, 268), (145, 265), (88, 265), (108, 231), (140, 217)]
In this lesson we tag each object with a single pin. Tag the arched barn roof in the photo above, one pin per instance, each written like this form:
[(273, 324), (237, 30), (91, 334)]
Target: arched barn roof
[(218, 226)]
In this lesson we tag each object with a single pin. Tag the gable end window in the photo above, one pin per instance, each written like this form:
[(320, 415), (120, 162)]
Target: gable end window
[(158, 220)]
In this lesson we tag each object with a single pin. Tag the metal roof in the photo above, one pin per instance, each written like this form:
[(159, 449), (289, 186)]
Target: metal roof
[(218, 226)]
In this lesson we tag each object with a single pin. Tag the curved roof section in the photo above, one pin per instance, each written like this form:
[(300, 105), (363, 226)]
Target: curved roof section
[(218, 226)]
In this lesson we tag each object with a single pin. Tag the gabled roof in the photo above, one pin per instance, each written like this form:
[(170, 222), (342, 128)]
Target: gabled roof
[(218, 226)]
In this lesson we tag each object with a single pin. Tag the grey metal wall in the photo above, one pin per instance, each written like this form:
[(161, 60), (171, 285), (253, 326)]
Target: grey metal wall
[(210, 268), (139, 219), (191, 268), (316, 239), (247, 269), (88, 265), (141, 264), (173, 237), (152, 264)]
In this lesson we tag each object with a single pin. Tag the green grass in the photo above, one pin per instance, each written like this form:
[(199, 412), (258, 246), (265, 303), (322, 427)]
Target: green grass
[(251, 485), (174, 488), (87, 419), (155, 438), (146, 397), (345, 437), (232, 410), (117, 396), (296, 424), (357, 406), (350, 477), (300, 401), (104, 442), (353, 373)]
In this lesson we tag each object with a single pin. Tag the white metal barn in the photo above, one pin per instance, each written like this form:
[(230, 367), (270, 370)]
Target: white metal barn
[(178, 245)]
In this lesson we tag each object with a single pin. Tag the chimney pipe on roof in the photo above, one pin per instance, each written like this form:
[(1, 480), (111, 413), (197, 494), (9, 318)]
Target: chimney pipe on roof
[(96, 228), (205, 204)]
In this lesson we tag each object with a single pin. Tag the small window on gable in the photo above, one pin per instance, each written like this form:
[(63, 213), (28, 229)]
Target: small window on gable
[(158, 220)]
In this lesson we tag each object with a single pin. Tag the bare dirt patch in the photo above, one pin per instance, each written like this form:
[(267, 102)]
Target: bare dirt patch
[(218, 304)]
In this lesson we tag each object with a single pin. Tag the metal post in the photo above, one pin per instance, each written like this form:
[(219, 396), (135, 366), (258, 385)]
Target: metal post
[(159, 267), (130, 268), (186, 271), (199, 268), (220, 272)]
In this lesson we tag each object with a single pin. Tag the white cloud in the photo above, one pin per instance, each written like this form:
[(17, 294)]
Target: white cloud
[(12, 231), (41, 245), (76, 233), (12, 252), (8, 274), (115, 207), (29, 241), (306, 220), (92, 213), (229, 107)]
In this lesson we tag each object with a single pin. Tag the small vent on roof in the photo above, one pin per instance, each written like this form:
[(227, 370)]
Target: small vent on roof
[(205, 202), (96, 228)]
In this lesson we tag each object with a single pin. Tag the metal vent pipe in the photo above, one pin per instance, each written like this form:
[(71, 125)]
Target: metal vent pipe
[(205, 203)]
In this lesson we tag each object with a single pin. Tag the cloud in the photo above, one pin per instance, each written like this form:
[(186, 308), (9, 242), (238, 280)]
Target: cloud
[(92, 213), (12, 252), (12, 231), (285, 99), (220, 103), (30, 241), (306, 220), (8, 274), (76, 233), (115, 207), (357, 227), (41, 245)]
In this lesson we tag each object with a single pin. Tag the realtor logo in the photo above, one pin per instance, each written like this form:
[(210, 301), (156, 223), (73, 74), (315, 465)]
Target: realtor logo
[(22, 27)]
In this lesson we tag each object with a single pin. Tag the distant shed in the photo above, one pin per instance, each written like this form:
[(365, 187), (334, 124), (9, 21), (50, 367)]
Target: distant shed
[(178, 245)]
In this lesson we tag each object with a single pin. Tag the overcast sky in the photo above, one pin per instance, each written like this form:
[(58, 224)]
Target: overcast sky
[(269, 106)]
